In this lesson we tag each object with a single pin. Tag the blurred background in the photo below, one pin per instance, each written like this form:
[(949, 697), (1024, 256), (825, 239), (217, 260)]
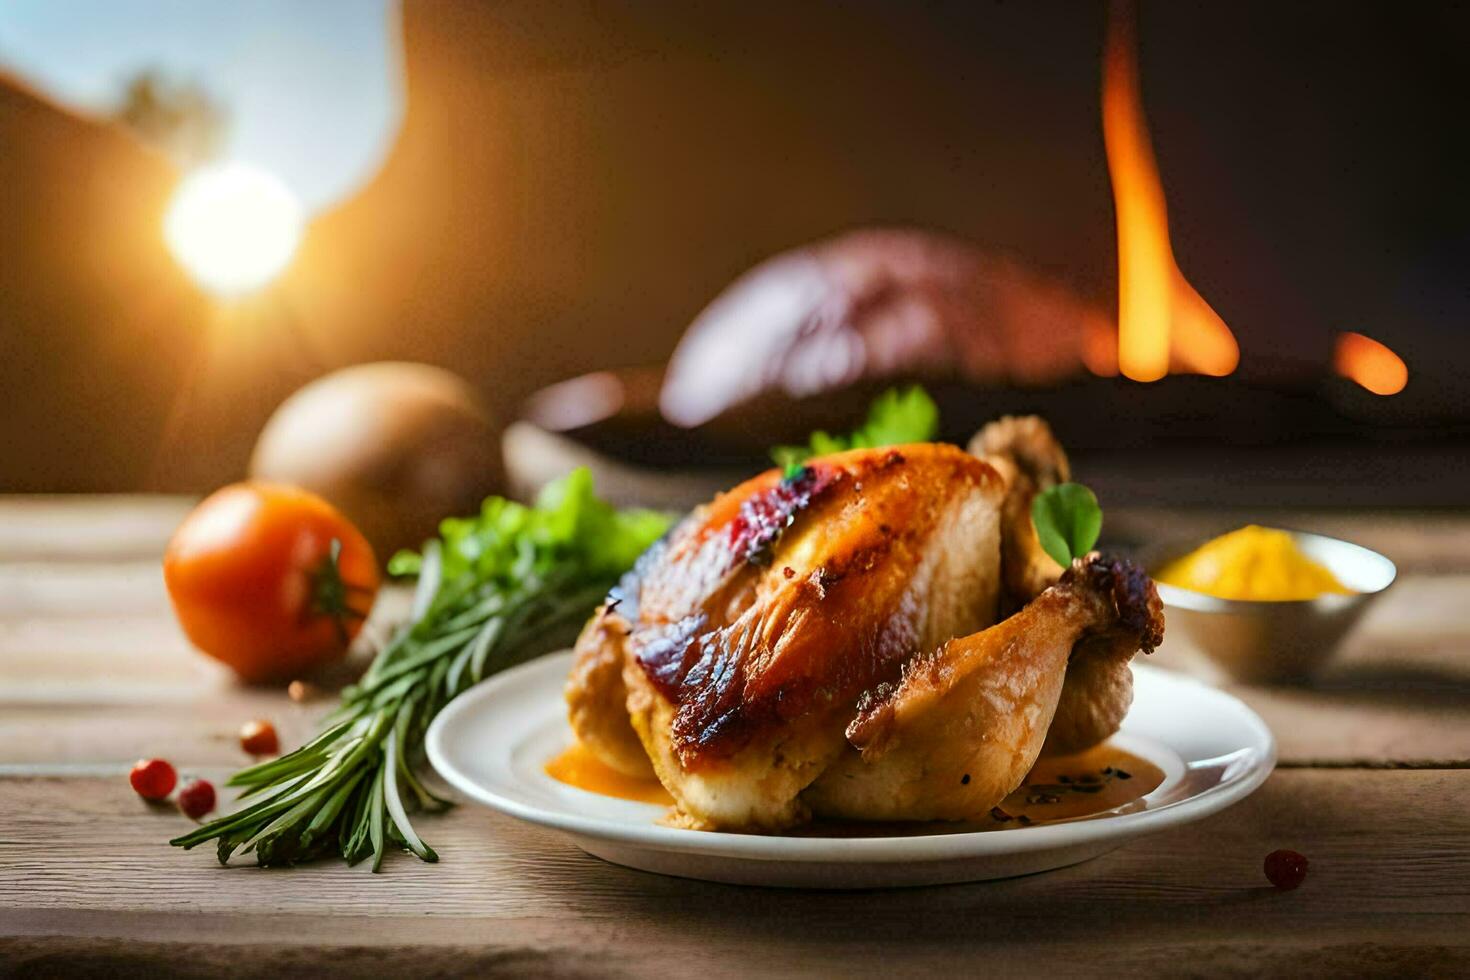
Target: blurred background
[(1224, 248)]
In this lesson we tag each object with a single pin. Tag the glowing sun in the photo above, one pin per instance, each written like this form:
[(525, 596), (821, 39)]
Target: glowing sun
[(234, 227)]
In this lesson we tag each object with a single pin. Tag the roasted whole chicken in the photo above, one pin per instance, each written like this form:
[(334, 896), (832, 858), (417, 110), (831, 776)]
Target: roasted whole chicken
[(879, 637)]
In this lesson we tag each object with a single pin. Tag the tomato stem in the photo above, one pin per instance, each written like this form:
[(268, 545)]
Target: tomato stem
[(330, 593)]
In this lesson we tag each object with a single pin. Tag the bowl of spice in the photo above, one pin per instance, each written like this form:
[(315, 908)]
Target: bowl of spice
[(1268, 605)]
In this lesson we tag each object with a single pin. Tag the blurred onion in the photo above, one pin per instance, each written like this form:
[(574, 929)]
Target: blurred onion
[(396, 447)]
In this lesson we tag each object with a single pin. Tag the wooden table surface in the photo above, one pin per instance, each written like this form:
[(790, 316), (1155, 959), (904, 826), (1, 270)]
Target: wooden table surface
[(1373, 786)]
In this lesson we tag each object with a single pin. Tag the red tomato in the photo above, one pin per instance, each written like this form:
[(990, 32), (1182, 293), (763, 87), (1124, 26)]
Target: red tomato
[(269, 579)]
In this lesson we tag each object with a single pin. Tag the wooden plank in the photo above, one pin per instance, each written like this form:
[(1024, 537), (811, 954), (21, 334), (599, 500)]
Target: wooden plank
[(697, 941), (1360, 725), (93, 668), (111, 678), (82, 589), (87, 528), (192, 733), (92, 527), (82, 865), (86, 686), (1418, 541), (122, 659)]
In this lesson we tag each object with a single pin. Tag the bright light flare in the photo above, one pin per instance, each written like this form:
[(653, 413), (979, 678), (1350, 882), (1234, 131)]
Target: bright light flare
[(1162, 320), (234, 227), (1370, 364)]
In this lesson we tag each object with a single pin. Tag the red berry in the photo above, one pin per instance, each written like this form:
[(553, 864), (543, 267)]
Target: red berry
[(153, 779), (1286, 869), (259, 738), (196, 799)]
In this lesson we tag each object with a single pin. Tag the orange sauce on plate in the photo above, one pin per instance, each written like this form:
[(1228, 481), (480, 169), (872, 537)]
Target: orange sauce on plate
[(1065, 787), (1059, 788), (580, 768)]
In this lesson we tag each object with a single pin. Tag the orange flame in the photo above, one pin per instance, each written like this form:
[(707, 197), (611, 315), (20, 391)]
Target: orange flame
[(1370, 364), (1162, 321)]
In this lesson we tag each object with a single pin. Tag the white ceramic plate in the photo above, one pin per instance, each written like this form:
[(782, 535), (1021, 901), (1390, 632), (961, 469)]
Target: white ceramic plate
[(492, 742)]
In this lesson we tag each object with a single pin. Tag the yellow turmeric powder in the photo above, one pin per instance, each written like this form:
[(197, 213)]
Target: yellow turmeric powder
[(1257, 563)]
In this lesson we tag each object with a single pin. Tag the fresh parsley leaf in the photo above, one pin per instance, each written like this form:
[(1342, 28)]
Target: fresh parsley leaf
[(895, 417), (569, 528), (1068, 521)]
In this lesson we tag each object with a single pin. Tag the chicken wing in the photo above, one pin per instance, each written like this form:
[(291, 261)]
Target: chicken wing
[(1029, 457)]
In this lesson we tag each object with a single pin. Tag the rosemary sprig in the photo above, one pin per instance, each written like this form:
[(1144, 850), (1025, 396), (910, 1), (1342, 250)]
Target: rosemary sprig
[(494, 591)]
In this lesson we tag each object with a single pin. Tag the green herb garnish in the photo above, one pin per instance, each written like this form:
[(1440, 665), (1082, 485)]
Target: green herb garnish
[(895, 417), (1068, 521), (494, 591)]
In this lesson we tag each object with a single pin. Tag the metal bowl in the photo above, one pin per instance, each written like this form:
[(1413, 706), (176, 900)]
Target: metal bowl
[(1275, 642)]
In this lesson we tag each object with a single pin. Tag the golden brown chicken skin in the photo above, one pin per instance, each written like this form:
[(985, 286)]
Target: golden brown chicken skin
[(854, 584), (733, 661), (754, 629), (597, 698)]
